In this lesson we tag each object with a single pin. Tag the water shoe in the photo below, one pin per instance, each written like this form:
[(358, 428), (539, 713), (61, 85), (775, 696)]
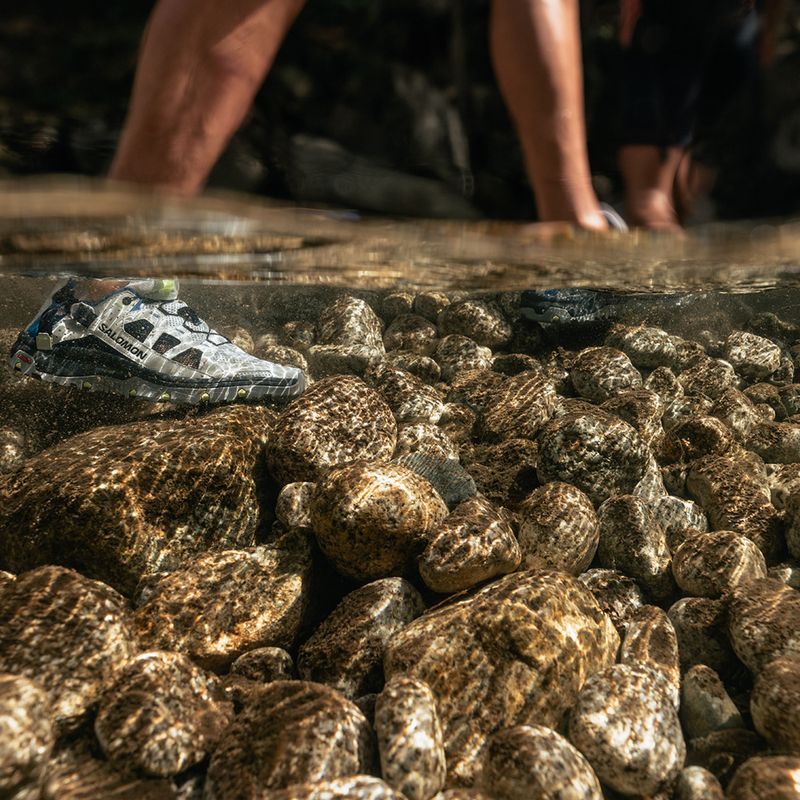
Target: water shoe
[(141, 341)]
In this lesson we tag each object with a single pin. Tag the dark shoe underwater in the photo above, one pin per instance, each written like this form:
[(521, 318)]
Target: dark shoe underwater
[(141, 341)]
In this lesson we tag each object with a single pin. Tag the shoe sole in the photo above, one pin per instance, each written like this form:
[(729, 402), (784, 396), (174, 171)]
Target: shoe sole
[(22, 363)]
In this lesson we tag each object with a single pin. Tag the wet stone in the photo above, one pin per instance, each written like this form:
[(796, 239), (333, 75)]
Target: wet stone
[(647, 347), (369, 519), (753, 357), (664, 382), (221, 605), (632, 541), (696, 783), (784, 481), (625, 724), (280, 354), (293, 506), (430, 304), (598, 453), (488, 658), (786, 573), (558, 529), (410, 399), (793, 525), (651, 487), (99, 502), (519, 408), (12, 449), (617, 594), (346, 650), (68, 633), (473, 543), (711, 564), (453, 483), (264, 664), (764, 622), (515, 363), (458, 421), (695, 437), (411, 333), (410, 738), (722, 752), (650, 639), (773, 777), (685, 407), (326, 360), (480, 320), (422, 367), (337, 421), (353, 787), (737, 411), (456, 353), (709, 377), (292, 732), (676, 517), (476, 388), (395, 304), (504, 473), (790, 397), (599, 373), (775, 704), (699, 623), (529, 761), (760, 394), (6, 579), (640, 408), (350, 321), (424, 438), (26, 737), (736, 500), (776, 442), (298, 334), (705, 704), (161, 715)]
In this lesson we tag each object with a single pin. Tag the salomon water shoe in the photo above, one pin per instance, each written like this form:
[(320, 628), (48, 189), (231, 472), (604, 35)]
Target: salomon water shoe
[(141, 341)]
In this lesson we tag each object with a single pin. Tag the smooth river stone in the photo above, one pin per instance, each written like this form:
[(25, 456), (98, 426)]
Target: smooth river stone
[(353, 787), (456, 353), (410, 399), (293, 506), (411, 333), (264, 664), (68, 633), (473, 543), (766, 778), (618, 595), (520, 407), (337, 421), (221, 605), (696, 783), (705, 704), (711, 564), (532, 761), (350, 321), (161, 715), (516, 652), (625, 724), (558, 529), (291, 732), (410, 738), (26, 737), (119, 503), (764, 622), (753, 357), (346, 650), (699, 623), (599, 373), (370, 519), (775, 704), (480, 320)]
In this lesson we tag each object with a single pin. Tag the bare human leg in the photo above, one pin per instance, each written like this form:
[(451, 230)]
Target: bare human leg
[(649, 173), (536, 52), (201, 63)]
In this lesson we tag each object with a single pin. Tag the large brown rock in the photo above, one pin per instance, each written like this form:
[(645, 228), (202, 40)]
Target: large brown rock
[(339, 420), (517, 652), (121, 502)]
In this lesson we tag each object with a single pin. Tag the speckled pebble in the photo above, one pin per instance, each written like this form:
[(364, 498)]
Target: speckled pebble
[(784, 481), (430, 304), (411, 333), (410, 399), (293, 506), (651, 487), (558, 529), (642, 409), (599, 373), (472, 544), (220, 605), (350, 321), (12, 449), (292, 732), (353, 787), (370, 518), (697, 436), (458, 421), (506, 472), (532, 761), (424, 437), (326, 360), (766, 778), (68, 633), (776, 442), (775, 704), (793, 525), (786, 573), (337, 421), (709, 377), (696, 783), (705, 704), (453, 483), (618, 595), (631, 540), (515, 363), (521, 406), (456, 353), (395, 304), (764, 622), (738, 412), (711, 564), (646, 346), (264, 664), (625, 724), (664, 382), (346, 649), (298, 334), (422, 367), (6, 579), (410, 738), (476, 388), (650, 639), (684, 407), (699, 623), (753, 357), (161, 715), (598, 453), (26, 737), (676, 516), (480, 320), (503, 657)]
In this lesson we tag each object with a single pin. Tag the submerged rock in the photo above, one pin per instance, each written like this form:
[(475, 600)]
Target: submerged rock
[(490, 659), (773, 777)]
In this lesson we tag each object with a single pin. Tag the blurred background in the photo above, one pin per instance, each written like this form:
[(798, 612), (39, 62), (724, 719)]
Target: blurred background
[(385, 106)]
